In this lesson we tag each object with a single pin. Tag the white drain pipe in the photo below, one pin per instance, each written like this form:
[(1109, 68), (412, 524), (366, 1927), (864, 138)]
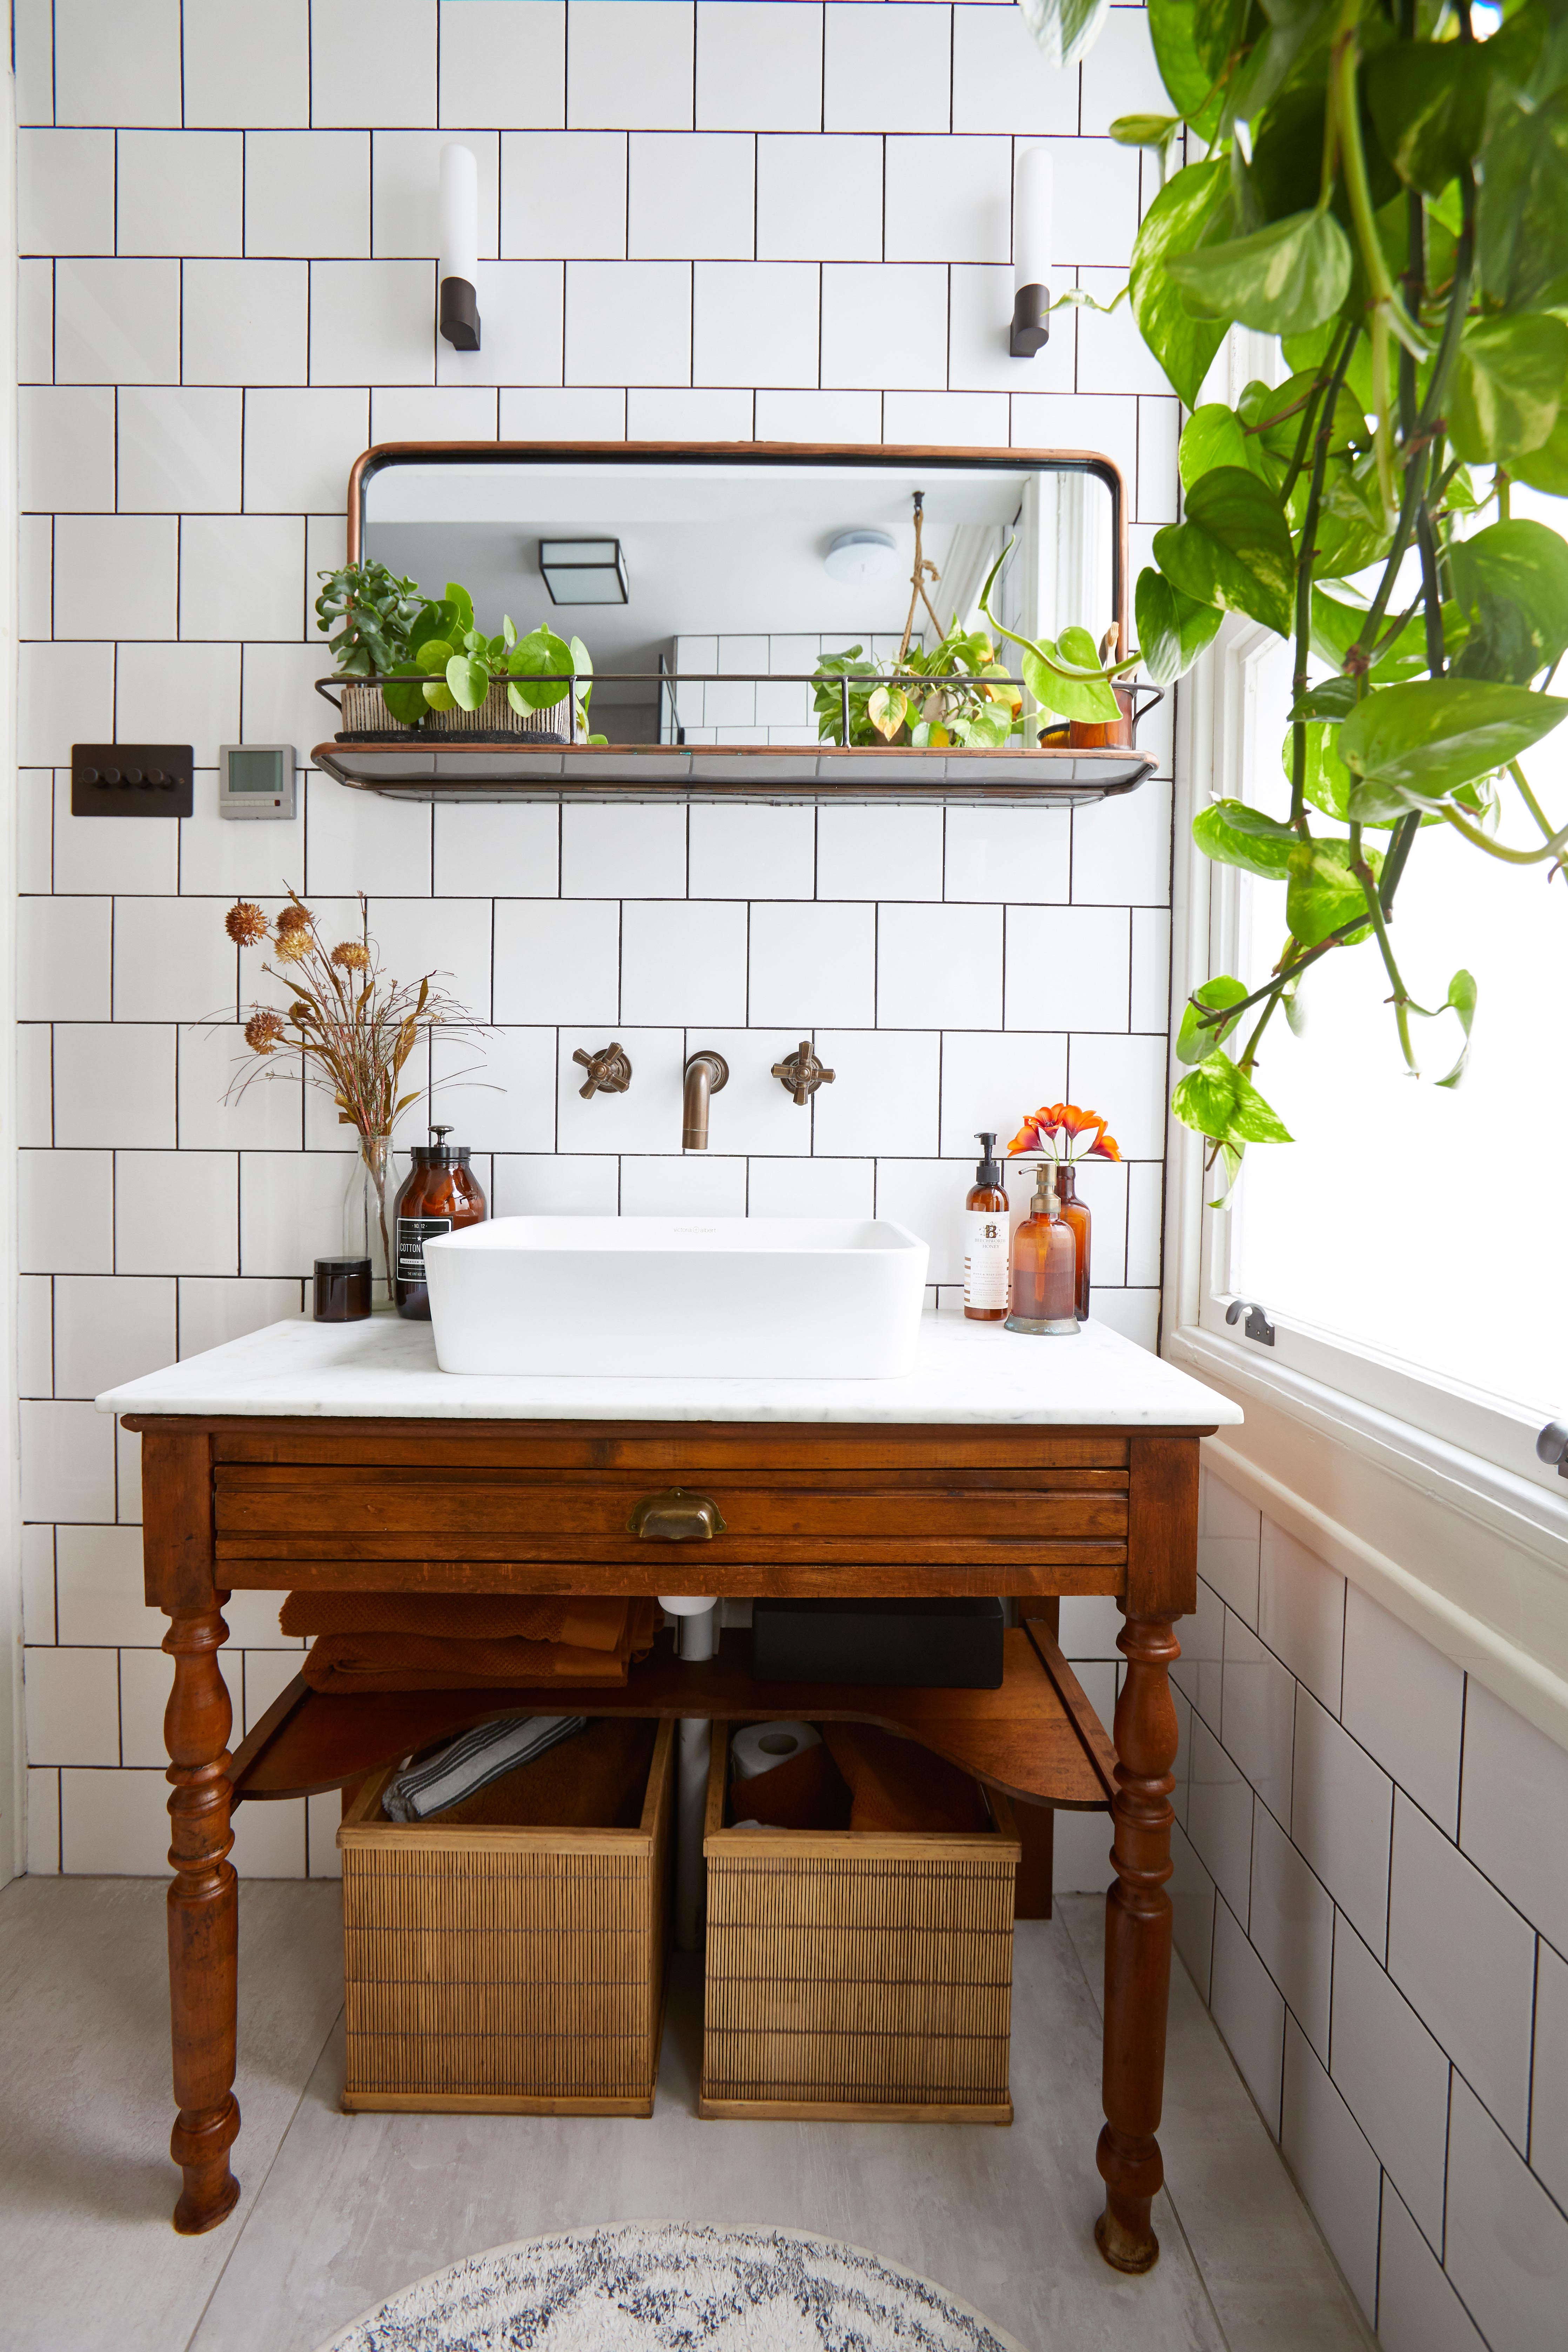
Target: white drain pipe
[(697, 1637)]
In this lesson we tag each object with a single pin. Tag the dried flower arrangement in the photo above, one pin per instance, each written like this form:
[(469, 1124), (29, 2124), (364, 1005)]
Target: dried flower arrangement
[(351, 1025)]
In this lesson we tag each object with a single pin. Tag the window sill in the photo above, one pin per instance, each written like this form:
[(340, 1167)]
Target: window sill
[(1470, 1555)]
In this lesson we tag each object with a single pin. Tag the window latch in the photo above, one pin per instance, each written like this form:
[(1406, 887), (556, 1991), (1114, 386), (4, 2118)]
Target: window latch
[(1552, 1446), (1258, 1328)]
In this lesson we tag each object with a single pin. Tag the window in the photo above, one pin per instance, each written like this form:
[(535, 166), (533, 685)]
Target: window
[(1407, 1247)]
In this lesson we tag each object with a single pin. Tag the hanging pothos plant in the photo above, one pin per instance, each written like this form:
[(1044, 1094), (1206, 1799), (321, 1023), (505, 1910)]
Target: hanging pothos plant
[(1388, 194)]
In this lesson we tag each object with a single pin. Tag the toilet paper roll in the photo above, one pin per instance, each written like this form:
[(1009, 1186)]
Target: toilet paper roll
[(758, 1747)]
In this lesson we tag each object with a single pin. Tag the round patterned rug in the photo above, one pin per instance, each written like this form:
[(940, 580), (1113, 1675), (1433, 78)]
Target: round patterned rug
[(663, 2287)]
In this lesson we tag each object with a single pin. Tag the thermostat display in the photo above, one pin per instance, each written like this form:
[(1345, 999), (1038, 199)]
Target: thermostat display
[(256, 780)]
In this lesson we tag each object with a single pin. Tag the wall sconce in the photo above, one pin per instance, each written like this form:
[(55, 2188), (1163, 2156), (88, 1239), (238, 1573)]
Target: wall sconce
[(584, 571), (1034, 206), (458, 270)]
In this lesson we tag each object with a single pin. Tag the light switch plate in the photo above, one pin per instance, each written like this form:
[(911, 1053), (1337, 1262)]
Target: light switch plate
[(131, 779), (257, 780)]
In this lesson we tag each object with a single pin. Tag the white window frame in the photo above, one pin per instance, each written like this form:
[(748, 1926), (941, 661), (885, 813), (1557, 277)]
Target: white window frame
[(1469, 1529)]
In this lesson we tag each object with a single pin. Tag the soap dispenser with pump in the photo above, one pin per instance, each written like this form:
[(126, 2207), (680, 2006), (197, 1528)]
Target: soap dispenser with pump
[(1044, 1267), (986, 1239)]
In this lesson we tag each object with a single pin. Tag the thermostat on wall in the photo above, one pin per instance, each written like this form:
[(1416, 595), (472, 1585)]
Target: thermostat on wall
[(256, 780)]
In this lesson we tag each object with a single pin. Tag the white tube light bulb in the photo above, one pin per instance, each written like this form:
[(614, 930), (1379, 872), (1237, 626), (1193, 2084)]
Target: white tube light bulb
[(1034, 219), (458, 271)]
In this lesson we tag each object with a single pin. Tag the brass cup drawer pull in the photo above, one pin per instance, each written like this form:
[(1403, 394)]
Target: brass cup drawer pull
[(676, 1516)]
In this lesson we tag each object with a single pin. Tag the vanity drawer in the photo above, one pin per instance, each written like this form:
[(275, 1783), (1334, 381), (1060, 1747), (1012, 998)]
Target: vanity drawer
[(293, 1513)]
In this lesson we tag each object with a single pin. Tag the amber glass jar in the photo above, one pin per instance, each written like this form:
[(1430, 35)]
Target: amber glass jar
[(1075, 1217), (440, 1196), (1044, 1270)]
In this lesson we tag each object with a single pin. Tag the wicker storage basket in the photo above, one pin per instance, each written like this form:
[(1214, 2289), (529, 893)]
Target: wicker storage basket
[(366, 717), (857, 1975), (515, 1972)]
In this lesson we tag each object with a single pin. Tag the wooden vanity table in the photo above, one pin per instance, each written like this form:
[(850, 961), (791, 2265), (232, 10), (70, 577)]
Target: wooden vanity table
[(336, 1456)]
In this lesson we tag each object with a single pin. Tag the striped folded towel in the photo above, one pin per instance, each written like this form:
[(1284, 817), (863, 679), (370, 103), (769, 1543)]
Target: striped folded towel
[(472, 1761)]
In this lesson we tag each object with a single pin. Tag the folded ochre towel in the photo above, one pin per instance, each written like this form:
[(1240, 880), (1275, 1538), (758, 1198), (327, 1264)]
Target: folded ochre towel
[(897, 1785), (594, 1624), (406, 1662)]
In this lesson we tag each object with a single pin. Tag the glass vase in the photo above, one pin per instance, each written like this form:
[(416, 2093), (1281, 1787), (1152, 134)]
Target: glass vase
[(367, 1214)]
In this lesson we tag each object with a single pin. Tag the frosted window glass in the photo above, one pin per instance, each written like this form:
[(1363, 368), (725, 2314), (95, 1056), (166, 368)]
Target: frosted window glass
[(1425, 1223)]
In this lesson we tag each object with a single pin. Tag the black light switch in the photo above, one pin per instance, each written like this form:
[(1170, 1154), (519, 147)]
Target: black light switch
[(131, 779)]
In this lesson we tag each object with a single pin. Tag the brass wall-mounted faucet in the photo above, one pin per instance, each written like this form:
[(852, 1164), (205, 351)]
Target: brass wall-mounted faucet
[(707, 1074), (802, 1074), (609, 1071)]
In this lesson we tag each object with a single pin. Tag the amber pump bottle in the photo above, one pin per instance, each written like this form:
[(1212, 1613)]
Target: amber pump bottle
[(1075, 1217), (1045, 1267), (986, 1239), (440, 1196)]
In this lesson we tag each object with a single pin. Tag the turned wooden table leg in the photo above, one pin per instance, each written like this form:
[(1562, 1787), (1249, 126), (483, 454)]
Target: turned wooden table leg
[(1138, 1946), (204, 1922)]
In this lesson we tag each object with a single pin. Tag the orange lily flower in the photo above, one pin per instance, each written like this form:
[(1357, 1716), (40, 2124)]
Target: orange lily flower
[(1054, 1128)]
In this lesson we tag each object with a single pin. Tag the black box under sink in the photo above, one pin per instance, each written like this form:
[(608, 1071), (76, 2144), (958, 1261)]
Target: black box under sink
[(936, 1644)]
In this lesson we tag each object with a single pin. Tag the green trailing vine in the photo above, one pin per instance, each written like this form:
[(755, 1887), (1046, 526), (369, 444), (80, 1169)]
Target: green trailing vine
[(1386, 193)]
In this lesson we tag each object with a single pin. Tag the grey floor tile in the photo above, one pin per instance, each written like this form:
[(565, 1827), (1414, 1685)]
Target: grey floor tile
[(86, 2184), (1273, 2283)]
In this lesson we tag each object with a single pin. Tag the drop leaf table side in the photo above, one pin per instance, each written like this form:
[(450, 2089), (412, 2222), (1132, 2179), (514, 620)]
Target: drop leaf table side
[(402, 1483)]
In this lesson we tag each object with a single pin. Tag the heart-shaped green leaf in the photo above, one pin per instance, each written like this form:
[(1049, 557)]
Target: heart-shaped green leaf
[(1089, 699), (1233, 548), (1189, 85), (1283, 280), (1427, 99), (1191, 204), (1546, 468), (1145, 130), (1236, 835), (1064, 29), (1221, 1101), (1213, 436), (1196, 1040), (1424, 740), (1172, 629), (1522, 219), (887, 710), (1322, 893), (1508, 386), (1512, 583)]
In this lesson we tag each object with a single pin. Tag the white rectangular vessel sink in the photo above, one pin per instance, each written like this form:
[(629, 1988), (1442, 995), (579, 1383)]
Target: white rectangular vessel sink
[(679, 1297)]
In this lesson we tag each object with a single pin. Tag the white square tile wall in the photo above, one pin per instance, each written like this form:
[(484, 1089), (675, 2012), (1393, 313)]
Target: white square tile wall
[(720, 218), (1389, 1882)]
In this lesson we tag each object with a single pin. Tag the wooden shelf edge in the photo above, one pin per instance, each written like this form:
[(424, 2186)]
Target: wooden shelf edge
[(1027, 1739)]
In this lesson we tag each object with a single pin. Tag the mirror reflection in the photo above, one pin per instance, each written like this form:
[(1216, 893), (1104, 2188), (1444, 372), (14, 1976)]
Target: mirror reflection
[(780, 599)]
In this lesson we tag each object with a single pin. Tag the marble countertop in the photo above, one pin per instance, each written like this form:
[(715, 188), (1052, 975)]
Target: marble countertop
[(963, 1371)]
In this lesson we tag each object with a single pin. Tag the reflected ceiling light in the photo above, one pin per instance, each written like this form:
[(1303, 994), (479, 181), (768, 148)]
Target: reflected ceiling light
[(856, 556), (458, 270), (1034, 206), (584, 571)]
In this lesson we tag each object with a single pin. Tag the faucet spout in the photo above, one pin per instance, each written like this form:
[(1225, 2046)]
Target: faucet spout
[(707, 1074)]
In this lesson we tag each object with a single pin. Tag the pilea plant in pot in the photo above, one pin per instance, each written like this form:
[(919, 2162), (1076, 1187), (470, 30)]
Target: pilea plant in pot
[(1387, 193), (426, 654)]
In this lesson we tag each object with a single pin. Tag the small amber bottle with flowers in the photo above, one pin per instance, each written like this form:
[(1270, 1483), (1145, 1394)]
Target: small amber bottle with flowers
[(1063, 1134)]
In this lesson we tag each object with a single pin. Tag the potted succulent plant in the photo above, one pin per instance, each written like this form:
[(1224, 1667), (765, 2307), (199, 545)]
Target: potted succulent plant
[(406, 660)]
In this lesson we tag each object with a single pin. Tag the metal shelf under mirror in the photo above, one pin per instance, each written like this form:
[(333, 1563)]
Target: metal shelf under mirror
[(738, 622)]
